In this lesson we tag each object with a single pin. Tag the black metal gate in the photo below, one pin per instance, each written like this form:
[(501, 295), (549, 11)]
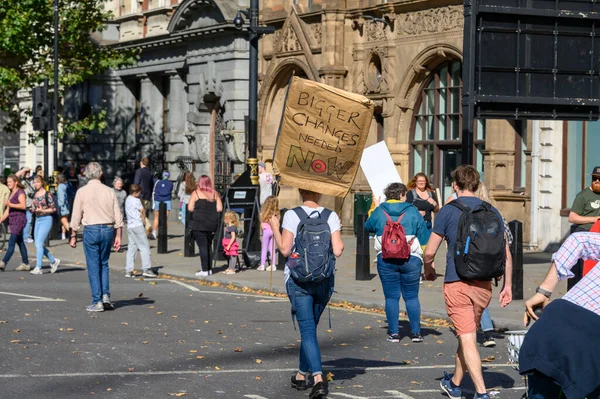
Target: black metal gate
[(222, 166)]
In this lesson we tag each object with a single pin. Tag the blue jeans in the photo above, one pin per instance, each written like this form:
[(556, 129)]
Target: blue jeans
[(401, 277), (309, 301), (27, 230), (97, 241), (486, 321), (43, 224), (12, 241)]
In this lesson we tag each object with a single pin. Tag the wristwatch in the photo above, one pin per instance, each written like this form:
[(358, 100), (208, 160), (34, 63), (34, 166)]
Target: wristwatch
[(542, 291)]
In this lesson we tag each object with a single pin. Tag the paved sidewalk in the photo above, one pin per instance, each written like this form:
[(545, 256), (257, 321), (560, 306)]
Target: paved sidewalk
[(366, 293)]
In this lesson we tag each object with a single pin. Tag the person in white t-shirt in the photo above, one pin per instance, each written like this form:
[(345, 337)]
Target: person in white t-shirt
[(309, 300), (265, 180), (136, 234)]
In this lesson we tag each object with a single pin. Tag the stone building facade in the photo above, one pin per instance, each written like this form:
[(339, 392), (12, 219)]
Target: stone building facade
[(183, 104), (406, 57)]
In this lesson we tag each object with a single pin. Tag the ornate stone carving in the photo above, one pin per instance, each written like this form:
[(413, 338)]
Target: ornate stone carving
[(288, 41), (434, 20), (317, 31), (198, 144), (375, 31), (235, 144)]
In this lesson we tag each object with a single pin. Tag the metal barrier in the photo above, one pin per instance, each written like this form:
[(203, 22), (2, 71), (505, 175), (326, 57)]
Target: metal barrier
[(161, 246), (363, 258), (516, 250)]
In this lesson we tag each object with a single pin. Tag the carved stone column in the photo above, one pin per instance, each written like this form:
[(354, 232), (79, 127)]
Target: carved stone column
[(151, 115)]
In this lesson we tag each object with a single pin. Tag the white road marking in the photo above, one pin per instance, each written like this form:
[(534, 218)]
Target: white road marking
[(32, 298), (345, 395), (233, 371), (195, 289), (465, 390), (398, 394), (254, 397)]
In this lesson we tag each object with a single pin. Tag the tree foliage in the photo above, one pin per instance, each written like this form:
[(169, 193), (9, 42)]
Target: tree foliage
[(26, 49)]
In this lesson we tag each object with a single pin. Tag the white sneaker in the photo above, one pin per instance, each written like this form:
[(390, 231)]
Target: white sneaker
[(23, 268), (54, 265), (271, 268), (37, 270), (2, 265), (202, 274), (28, 241), (63, 237), (261, 268)]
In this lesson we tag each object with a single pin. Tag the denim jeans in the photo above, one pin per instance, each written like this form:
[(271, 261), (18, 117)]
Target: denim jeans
[(27, 230), (97, 240), (401, 277), (204, 240), (486, 321), (16, 239), (136, 239), (43, 224), (309, 301)]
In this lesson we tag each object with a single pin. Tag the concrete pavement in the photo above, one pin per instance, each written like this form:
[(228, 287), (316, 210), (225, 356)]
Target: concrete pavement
[(368, 294)]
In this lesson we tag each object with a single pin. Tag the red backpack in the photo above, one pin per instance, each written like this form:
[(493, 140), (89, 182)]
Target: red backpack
[(393, 241)]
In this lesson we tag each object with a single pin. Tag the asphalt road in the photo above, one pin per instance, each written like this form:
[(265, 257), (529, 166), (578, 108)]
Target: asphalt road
[(179, 339)]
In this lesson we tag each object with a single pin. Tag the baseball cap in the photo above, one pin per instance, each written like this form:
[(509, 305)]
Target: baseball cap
[(166, 175), (596, 171)]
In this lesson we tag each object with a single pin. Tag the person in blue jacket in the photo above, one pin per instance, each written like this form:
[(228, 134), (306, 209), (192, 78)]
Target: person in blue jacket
[(163, 193), (400, 277)]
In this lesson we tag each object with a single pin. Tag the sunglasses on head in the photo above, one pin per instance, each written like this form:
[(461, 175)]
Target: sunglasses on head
[(595, 178)]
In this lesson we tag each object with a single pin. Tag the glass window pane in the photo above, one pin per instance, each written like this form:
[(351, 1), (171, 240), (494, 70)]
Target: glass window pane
[(451, 159), (429, 158), (430, 102), (442, 127), (454, 128), (479, 160), (444, 76), (455, 105), (430, 128), (456, 72), (418, 158), (419, 128), (480, 127), (574, 169), (442, 99)]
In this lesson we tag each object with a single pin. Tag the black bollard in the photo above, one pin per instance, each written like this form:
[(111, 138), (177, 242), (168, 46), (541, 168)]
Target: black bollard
[(161, 246), (363, 261), (280, 258), (516, 250), (188, 241)]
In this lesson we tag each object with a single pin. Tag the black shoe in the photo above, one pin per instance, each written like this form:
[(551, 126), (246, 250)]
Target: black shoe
[(416, 338), (300, 385), (107, 303), (318, 391)]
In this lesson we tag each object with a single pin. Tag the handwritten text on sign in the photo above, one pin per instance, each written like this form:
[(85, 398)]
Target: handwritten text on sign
[(321, 137)]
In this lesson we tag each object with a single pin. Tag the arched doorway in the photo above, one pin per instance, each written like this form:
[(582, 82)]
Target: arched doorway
[(436, 128), (274, 107)]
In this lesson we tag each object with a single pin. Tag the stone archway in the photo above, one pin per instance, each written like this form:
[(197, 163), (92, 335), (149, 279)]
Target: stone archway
[(272, 105)]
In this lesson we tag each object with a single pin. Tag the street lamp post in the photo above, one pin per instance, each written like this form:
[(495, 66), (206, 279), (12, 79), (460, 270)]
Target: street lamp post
[(254, 33), (55, 98)]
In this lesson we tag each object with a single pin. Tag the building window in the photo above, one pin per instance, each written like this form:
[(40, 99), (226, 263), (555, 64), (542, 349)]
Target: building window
[(520, 154), (437, 127)]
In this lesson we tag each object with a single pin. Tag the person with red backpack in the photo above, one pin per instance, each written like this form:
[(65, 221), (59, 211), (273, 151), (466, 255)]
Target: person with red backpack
[(400, 231)]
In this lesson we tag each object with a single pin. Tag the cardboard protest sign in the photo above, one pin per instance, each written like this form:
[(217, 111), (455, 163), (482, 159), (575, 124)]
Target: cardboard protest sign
[(379, 168), (321, 137)]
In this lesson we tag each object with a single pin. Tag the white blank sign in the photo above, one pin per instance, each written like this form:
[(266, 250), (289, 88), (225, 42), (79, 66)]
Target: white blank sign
[(379, 168)]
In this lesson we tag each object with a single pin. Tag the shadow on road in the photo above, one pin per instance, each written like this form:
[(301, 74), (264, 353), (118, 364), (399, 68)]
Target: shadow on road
[(133, 302)]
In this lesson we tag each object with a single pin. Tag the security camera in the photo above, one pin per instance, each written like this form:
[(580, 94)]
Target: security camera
[(238, 21)]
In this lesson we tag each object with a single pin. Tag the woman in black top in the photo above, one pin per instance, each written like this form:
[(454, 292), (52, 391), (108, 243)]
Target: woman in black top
[(206, 204), (423, 197)]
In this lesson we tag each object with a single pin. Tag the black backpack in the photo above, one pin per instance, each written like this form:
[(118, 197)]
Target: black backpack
[(480, 251)]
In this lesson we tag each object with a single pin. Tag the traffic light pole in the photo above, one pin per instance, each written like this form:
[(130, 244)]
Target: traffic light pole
[(55, 99), (45, 132)]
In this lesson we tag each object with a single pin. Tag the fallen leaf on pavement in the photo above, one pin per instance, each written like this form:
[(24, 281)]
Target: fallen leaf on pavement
[(367, 327), (178, 394), (257, 378), (329, 376), (193, 351), (488, 359), (416, 382), (329, 331), (15, 341), (217, 368), (344, 344), (145, 342), (258, 361), (159, 312), (69, 329), (3, 322), (199, 357), (125, 323), (440, 341), (406, 362), (17, 331), (153, 283), (131, 368), (238, 349)]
